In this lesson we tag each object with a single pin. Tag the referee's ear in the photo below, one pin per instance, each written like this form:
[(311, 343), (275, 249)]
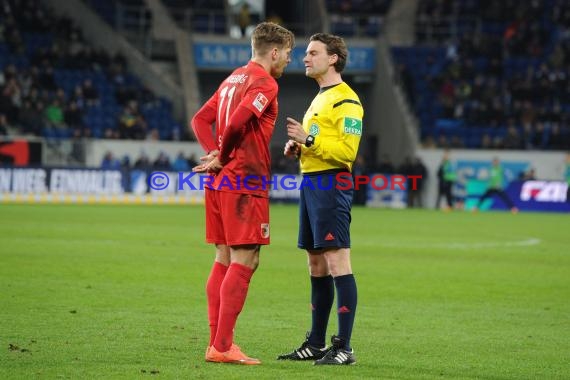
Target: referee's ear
[(333, 59)]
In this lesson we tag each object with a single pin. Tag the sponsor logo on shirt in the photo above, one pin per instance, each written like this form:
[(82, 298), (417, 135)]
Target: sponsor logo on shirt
[(260, 102), (352, 126)]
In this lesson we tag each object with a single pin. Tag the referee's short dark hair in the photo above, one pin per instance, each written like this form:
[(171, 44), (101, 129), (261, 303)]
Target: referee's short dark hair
[(335, 45)]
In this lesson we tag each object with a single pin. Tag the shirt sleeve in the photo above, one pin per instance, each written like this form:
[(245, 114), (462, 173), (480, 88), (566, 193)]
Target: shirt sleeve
[(202, 124), (234, 132), (348, 119), (259, 95)]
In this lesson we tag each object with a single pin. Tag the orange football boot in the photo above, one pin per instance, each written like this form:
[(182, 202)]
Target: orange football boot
[(234, 356)]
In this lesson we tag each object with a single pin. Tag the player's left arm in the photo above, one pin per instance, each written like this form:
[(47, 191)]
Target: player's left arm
[(254, 103), (234, 132), (348, 120)]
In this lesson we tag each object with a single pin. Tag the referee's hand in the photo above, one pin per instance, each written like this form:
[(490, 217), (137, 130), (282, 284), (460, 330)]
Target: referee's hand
[(295, 131), (292, 149)]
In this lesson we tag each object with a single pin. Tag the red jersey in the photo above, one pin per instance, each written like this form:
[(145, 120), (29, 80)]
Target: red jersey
[(248, 169)]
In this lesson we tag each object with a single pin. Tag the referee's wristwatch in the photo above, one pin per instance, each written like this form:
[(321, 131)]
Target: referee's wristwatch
[(310, 141)]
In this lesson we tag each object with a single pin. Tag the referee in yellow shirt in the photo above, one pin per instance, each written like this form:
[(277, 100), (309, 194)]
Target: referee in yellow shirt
[(327, 144)]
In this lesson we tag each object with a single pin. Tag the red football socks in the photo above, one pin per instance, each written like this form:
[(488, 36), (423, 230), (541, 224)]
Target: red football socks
[(232, 298), (213, 286)]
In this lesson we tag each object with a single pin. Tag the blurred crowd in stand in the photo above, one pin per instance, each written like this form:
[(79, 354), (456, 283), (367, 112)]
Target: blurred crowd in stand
[(54, 84)]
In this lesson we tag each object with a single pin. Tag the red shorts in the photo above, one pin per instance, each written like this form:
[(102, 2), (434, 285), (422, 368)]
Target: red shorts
[(236, 219)]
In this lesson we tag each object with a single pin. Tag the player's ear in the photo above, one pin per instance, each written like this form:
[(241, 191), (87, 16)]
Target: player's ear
[(274, 53)]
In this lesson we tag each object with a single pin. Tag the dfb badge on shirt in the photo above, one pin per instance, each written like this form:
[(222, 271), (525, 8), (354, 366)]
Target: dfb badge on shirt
[(260, 102)]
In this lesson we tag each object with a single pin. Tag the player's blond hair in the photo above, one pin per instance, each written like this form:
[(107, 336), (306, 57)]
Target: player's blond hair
[(267, 35)]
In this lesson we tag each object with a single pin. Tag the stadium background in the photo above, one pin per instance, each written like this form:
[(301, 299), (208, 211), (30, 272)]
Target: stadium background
[(111, 291), (112, 84)]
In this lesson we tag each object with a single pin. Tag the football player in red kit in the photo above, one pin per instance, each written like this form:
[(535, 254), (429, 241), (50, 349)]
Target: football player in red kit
[(244, 110)]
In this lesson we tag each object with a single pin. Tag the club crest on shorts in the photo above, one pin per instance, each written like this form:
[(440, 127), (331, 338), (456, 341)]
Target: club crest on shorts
[(265, 230)]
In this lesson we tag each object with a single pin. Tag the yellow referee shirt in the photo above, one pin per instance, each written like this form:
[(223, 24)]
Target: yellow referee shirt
[(335, 119)]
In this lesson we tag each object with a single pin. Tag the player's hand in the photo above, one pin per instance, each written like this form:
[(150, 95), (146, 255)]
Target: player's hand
[(210, 156), (199, 168), (292, 149), (213, 166), (295, 131), (202, 167)]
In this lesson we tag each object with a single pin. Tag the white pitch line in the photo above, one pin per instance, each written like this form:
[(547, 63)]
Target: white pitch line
[(456, 245), (492, 244)]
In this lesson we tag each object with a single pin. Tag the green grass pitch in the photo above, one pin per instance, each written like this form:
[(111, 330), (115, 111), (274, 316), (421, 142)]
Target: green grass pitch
[(91, 292)]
